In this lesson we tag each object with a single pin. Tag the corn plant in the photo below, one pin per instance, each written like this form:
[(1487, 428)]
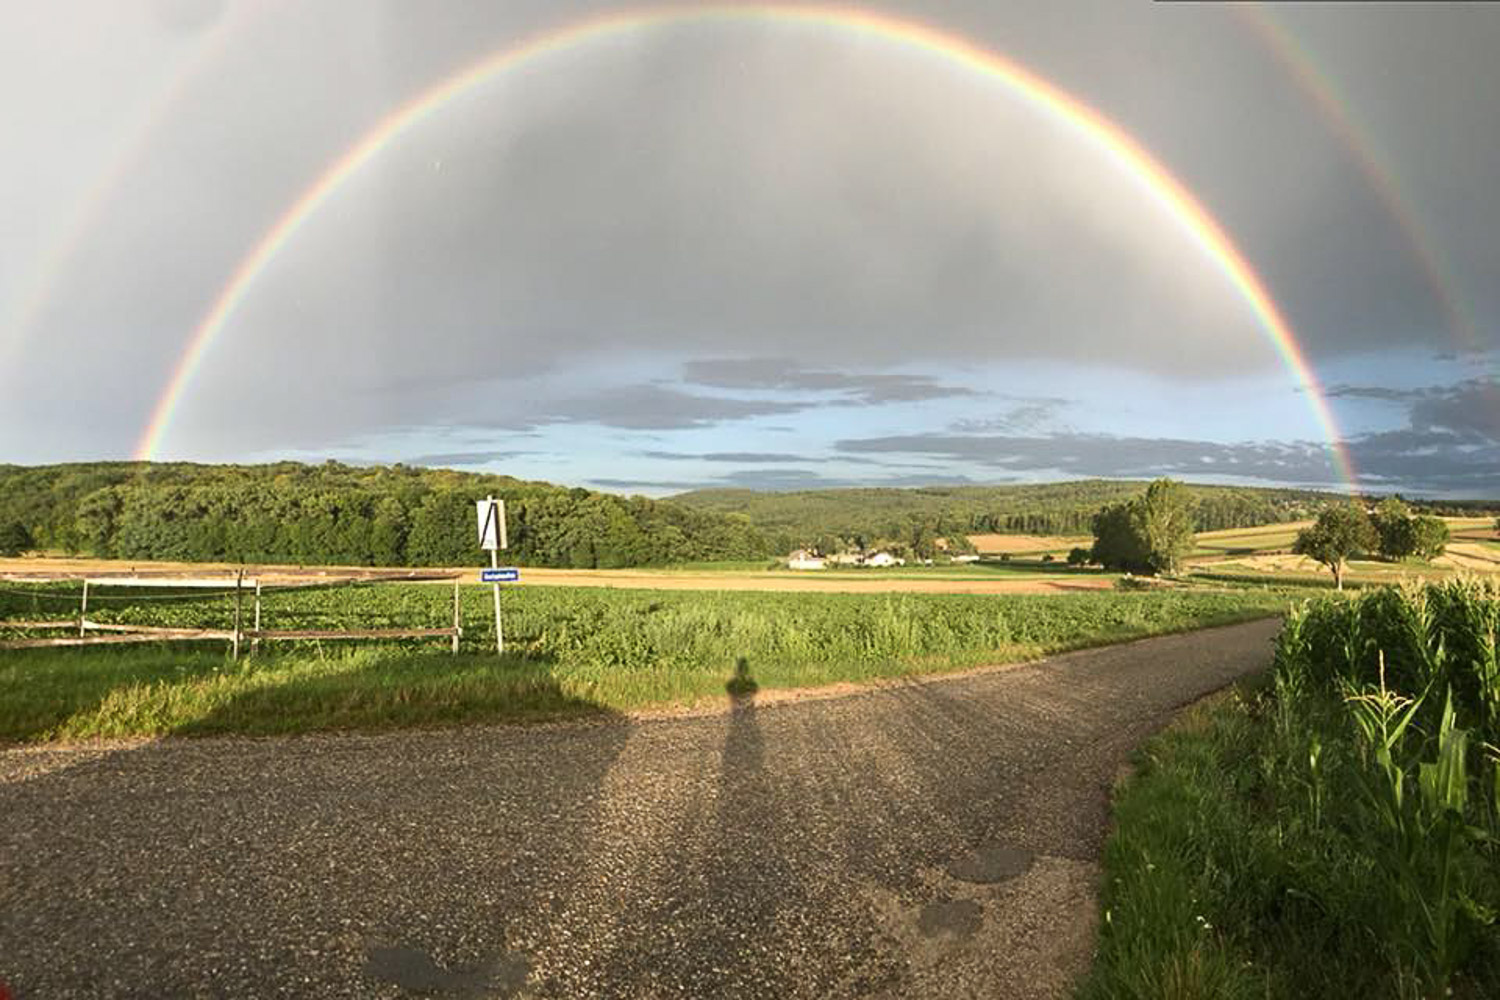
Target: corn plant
[(1423, 840)]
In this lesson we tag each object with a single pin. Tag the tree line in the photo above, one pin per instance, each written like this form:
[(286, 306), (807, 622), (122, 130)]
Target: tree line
[(830, 520), (1393, 532), (344, 515), (1153, 532)]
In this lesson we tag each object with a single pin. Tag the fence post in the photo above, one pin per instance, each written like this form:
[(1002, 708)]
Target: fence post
[(239, 580), (83, 607), (457, 627), (255, 643)]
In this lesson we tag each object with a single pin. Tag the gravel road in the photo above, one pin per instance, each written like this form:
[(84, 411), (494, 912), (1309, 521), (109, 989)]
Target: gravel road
[(924, 839)]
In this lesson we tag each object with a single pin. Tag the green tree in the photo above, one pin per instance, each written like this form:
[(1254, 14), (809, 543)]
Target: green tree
[(960, 545), (15, 538), (923, 541), (1078, 557), (1395, 526), (1148, 534), (96, 520), (1116, 544), (388, 533), (1341, 531), (1430, 537), (1164, 520)]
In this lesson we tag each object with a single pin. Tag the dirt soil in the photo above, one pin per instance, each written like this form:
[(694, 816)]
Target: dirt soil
[(927, 839), (58, 568), (1022, 544), (1471, 556)]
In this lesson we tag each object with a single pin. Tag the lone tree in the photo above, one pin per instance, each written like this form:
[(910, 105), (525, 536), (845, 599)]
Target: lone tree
[(1149, 534), (1341, 530), (1164, 519), (1403, 535), (1429, 537), (1115, 543), (1396, 528)]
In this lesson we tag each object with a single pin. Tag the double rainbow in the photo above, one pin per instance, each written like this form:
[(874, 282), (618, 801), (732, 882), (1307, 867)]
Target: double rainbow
[(1090, 126)]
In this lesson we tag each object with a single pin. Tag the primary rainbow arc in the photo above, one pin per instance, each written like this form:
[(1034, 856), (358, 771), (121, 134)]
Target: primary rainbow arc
[(1087, 123)]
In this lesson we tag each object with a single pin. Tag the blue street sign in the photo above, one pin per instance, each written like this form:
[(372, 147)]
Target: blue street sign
[(506, 574)]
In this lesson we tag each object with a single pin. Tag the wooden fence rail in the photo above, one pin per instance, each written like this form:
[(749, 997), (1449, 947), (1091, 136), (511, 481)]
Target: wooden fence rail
[(115, 634), (367, 633), (141, 633), (117, 638)]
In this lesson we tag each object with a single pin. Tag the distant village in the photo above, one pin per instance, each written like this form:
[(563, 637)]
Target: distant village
[(869, 559)]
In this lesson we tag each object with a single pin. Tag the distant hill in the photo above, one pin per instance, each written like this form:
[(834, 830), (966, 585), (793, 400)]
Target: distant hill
[(821, 517), (345, 515)]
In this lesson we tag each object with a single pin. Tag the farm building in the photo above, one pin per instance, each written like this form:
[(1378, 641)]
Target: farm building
[(883, 559), (803, 559)]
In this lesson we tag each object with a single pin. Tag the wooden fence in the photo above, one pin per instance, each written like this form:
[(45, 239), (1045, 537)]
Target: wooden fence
[(111, 634)]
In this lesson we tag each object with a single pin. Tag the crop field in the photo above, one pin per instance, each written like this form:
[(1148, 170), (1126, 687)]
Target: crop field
[(1264, 554), (1248, 541), (1331, 832), (995, 544), (569, 651)]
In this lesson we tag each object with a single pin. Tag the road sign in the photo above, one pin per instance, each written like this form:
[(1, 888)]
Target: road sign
[(491, 513), (492, 536)]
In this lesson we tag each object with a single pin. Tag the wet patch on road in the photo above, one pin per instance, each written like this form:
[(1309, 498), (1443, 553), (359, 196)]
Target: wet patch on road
[(991, 865), (953, 917), (415, 971)]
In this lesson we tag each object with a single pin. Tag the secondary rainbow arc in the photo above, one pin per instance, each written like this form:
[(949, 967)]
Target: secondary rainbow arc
[(1087, 124), (39, 285), (1335, 110)]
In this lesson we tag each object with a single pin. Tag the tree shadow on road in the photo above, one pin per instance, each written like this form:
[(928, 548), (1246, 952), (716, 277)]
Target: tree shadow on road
[(222, 853), (377, 689)]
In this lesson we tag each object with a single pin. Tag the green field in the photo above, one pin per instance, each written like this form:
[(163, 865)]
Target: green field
[(569, 651), (1247, 541)]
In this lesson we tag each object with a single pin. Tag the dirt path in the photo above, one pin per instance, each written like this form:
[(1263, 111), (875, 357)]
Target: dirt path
[(867, 582), (923, 839)]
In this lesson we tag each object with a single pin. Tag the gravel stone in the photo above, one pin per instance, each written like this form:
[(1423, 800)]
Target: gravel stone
[(802, 848)]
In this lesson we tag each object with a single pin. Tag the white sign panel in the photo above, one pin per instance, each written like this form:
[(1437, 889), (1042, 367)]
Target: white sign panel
[(491, 513)]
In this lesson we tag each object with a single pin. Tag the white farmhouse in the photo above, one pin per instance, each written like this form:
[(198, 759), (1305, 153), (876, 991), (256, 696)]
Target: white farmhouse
[(883, 559), (803, 559)]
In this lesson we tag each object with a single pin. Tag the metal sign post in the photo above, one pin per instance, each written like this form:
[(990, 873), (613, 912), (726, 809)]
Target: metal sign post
[(492, 536)]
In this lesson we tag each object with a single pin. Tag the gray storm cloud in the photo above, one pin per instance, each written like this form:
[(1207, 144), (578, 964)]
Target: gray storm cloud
[(667, 207), (701, 224)]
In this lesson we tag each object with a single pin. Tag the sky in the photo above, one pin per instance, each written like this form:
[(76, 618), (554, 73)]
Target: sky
[(754, 249)]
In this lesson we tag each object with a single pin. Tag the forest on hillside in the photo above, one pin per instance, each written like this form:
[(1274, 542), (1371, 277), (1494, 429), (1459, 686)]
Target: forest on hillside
[(407, 516), (830, 519), (336, 514)]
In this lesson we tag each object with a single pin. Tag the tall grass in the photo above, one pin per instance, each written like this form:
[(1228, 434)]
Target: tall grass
[(568, 651), (1332, 832)]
